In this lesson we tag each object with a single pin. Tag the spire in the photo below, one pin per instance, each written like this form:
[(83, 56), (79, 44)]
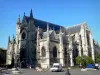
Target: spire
[(47, 27), (38, 42), (24, 13), (13, 35), (48, 30), (9, 39), (24, 18), (38, 28), (31, 14), (60, 29), (60, 36), (53, 28), (13, 38), (18, 19), (38, 33)]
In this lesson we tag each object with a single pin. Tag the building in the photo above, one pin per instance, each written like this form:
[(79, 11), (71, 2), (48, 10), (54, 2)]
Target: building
[(2, 56), (96, 47), (42, 43)]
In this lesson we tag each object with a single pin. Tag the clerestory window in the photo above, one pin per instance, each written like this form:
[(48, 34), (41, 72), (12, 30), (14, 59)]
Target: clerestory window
[(54, 52), (43, 52)]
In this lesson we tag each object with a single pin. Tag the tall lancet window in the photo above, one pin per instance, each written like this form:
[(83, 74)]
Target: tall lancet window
[(23, 35), (43, 52), (54, 52), (65, 51)]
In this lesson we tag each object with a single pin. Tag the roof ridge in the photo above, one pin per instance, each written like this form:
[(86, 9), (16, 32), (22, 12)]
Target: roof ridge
[(48, 22), (73, 26)]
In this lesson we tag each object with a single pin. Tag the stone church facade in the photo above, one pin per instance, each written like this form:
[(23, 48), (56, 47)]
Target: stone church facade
[(42, 43)]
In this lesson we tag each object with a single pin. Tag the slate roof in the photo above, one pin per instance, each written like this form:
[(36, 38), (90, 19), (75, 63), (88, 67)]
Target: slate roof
[(56, 36), (73, 29), (43, 24), (45, 34), (65, 38), (27, 19)]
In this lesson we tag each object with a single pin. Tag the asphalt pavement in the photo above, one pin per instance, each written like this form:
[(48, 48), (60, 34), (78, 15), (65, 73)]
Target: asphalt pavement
[(72, 71)]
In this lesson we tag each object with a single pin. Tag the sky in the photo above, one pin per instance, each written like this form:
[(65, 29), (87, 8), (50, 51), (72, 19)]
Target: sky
[(62, 12)]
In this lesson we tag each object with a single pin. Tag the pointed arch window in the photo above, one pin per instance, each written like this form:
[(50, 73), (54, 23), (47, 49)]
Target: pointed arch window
[(54, 52), (65, 51), (43, 52), (23, 35)]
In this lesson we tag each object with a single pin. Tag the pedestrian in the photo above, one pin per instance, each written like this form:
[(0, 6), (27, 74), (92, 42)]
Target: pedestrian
[(29, 66), (67, 73)]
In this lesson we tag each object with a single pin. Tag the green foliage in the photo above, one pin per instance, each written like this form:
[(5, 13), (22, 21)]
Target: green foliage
[(78, 60), (84, 60), (89, 60), (1, 49), (97, 58)]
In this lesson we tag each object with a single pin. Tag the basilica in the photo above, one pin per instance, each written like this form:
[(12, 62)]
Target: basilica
[(43, 43)]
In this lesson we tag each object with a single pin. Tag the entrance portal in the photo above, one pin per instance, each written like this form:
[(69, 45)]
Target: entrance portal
[(23, 58)]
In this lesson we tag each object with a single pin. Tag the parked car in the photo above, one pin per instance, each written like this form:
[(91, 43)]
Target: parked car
[(57, 67), (97, 66)]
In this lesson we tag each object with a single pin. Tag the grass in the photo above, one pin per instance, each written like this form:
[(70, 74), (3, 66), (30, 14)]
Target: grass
[(74, 67)]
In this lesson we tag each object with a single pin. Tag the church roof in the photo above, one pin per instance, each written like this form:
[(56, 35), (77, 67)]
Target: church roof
[(43, 24), (45, 34), (65, 38), (51, 35), (73, 29)]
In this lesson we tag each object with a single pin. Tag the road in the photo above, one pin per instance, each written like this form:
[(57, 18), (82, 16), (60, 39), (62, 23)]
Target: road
[(72, 71)]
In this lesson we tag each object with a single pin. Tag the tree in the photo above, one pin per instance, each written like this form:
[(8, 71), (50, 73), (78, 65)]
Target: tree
[(79, 60), (89, 60), (84, 60), (2, 56), (1, 49), (97, 58)]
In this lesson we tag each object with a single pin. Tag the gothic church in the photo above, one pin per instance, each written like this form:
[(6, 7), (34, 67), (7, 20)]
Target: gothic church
[(42, 43)]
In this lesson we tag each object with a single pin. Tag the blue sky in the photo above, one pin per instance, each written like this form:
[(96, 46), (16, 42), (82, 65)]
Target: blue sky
[(63, 12)]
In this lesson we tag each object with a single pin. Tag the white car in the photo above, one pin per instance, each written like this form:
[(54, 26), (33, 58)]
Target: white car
[(98, 65), (56, 67)]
